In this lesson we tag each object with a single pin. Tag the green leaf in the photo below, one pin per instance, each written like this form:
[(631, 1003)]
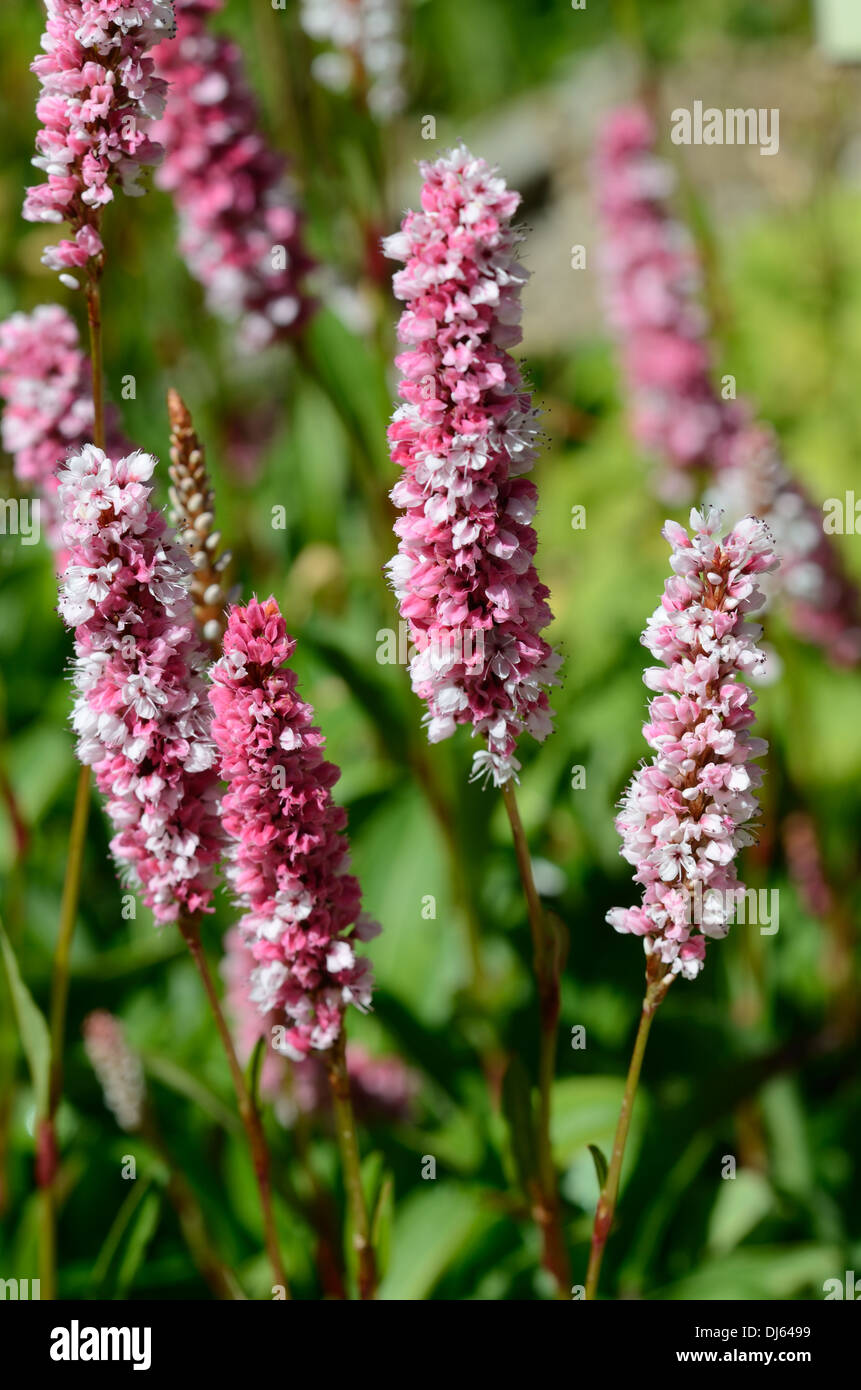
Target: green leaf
[(600, 1165), (143, 1229), (42, 761), (128, 1207), (585, 1111), (375, 698), (421, 960), (381, 1224), (585, 1114), (433, 1226), (354, 380), (35, 1038), (766, 1272), (518, 1110), (373, 1171), (186, 1084), (740, 1205), (253, 1070)]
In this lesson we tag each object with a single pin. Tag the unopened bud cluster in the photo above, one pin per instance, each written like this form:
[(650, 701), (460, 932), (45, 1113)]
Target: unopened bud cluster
[(193, 516)]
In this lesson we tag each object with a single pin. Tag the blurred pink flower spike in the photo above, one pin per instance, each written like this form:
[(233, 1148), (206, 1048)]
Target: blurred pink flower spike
[(240, 226)]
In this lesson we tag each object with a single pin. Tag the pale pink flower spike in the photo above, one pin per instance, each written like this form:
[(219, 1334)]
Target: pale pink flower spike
[(686, 814), (653, 290), (45, 381), (117, 1068), (140, 713), (382, 1087)]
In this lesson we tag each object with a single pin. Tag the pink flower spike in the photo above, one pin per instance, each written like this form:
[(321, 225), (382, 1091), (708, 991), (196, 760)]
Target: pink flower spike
[(652, 282), (686, 814), (383, 1088), (140, 714), (98, 101), (652, 279), (289, 854), (365, 54), (465, 437), (240, 227), (117, 1068), (45, 383), (821, 601)]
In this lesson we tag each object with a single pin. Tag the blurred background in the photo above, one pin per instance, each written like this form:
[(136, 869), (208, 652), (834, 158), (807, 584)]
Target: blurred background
[(757, 1059)]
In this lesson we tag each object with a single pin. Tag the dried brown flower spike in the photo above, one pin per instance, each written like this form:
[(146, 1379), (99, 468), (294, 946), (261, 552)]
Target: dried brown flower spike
[(192, 513)]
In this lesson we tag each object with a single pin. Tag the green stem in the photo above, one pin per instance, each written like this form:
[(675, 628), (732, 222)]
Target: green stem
[(47, 1242), (545, 952), (46, 1161), (345, 1128), (657, 984), (248, 1112), (68, 914)]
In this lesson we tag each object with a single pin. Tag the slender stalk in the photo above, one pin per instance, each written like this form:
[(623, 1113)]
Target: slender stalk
[(47, 1242), (68, 913), (345, 1128), (657, 984), (46, 1158), (248, 1112), (545, 952)]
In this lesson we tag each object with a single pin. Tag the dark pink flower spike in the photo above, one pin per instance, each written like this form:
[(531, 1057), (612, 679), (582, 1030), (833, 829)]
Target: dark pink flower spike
[(288, 856)]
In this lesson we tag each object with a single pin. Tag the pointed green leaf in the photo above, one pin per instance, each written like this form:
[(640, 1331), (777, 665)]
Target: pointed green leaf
[(381, 1223), (600, 1165), (111, 1243), (142, 1231), (253, 1070)]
